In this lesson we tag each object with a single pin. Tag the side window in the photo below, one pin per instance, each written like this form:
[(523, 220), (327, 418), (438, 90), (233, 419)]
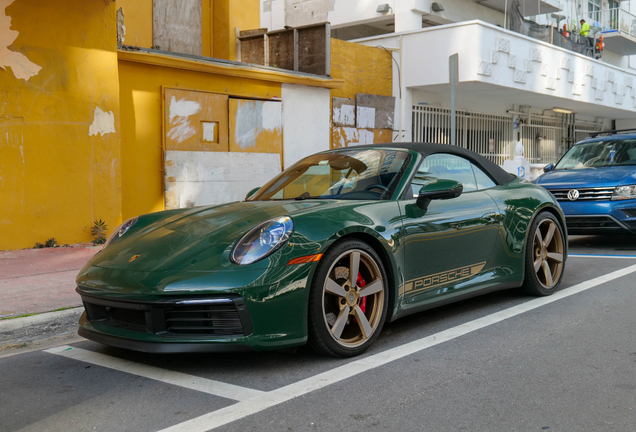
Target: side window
[(483, 181), (444, 166)]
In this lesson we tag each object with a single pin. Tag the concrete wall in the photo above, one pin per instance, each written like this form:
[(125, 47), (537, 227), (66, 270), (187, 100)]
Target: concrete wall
[(408, 14), (495, 60), (59, 121), (305, 121)]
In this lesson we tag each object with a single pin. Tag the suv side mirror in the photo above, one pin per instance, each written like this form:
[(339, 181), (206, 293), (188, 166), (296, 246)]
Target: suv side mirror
[(438, 189), (252, 192), (548, 167)]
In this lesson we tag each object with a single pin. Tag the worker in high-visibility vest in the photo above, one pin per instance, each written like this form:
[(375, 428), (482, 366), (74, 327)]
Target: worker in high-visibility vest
[(585, 28)]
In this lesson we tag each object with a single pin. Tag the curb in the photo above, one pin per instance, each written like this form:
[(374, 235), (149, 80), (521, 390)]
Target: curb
[(21, 331)]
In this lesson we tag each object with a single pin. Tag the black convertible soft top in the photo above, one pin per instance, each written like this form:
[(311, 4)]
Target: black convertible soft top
[(500, 176)]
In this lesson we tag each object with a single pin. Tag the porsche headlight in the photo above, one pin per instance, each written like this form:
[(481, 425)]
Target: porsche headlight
[(624, 192), (121, 230), (263, 240)]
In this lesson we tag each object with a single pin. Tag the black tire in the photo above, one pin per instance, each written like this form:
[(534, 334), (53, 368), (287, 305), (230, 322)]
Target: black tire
[(545, 256), (340, 322)]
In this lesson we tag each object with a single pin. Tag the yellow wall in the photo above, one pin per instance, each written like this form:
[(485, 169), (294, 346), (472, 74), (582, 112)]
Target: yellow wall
[(218, 23), (55, 178), (228, 15), (366, 70), (142, 129), (138, 22)]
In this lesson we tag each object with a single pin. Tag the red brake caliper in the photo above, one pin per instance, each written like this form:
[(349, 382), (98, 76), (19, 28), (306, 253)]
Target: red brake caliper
[(363, 301)]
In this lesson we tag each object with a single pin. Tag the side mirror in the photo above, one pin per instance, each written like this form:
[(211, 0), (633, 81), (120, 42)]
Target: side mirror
[(252, 192), (548, 167), (438, 189)]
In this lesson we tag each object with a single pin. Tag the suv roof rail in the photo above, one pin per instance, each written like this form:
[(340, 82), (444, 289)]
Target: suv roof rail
[(594, 134)]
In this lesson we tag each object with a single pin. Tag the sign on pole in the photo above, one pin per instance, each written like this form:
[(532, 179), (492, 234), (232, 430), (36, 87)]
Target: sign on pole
[(453, 73)]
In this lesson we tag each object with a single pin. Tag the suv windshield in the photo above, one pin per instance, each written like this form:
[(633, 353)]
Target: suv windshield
[(364, 174), (600, 154)]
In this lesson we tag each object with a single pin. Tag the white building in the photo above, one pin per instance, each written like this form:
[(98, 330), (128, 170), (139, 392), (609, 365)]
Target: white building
[(510, 85)]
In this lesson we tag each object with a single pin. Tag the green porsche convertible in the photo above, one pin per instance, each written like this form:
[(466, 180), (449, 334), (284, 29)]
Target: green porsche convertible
[(324, 254)]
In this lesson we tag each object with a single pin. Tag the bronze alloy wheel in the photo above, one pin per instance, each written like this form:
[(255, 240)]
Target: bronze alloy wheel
[(353, 298), (545, 255), (548, 253), (348, 301)]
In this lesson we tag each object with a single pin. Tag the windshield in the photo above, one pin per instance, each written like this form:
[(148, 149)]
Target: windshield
[(362, 174), (600, 154)]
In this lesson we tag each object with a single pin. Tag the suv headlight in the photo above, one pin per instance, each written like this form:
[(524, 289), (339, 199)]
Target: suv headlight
[(263, 240), (121, 230), (624, 192)]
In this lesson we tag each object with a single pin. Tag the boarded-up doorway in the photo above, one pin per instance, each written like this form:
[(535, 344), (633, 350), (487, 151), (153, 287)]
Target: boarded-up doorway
[(218, 148)]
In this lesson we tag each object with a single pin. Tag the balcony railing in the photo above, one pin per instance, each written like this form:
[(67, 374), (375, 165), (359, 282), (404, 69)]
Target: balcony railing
[(612, 19)]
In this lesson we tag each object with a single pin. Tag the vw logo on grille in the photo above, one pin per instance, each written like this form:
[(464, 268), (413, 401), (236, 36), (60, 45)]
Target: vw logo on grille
[(573, 195)]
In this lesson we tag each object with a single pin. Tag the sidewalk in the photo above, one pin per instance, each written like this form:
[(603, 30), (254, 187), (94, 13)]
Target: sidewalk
[(36, 281)]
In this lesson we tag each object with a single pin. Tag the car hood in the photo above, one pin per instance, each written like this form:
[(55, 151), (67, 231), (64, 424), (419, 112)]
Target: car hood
[(588, 177), (169, 241)]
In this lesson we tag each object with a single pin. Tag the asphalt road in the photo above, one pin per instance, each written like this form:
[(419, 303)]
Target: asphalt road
[(499, 362)]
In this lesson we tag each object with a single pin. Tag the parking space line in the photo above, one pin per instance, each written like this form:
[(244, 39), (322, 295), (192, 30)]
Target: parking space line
[(216, 388), (601, 256), (240, 410)]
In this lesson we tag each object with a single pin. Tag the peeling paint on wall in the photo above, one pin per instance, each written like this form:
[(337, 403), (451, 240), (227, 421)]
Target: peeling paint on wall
[(343, 112), (180, 110), (248, 119), (365, 117), (103, 123), (366, 137), (271, 116), (20, 65), (121, 28), (344, 115), (254, 117), (350, 136)]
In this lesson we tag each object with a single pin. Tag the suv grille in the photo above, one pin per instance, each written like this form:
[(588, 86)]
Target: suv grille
[(585, 194), (587, 222)]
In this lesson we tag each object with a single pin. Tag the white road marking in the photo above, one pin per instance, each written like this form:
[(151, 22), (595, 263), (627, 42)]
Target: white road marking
[(216, 388), (240, 410), (602, 256)]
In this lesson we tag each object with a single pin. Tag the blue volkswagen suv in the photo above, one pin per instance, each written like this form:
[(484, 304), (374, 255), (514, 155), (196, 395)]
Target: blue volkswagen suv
[(595, 184)]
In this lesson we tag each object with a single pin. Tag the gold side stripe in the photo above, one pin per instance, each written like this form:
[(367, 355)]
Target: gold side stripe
[(442, 278)]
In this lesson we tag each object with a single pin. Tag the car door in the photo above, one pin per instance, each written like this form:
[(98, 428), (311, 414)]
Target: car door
[(448, 245)]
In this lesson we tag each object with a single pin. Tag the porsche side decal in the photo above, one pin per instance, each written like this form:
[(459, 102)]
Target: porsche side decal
[(442, 278)]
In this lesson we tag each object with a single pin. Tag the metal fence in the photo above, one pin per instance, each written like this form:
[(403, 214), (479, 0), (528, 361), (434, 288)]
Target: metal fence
[(486, 134), (582, 131), (492, 135), (541, 139)]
